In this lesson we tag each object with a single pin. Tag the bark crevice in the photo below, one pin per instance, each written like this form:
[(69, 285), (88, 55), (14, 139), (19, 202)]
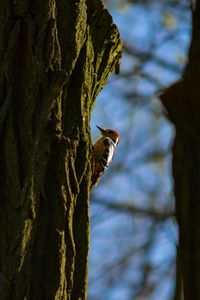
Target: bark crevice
[(52, 68)]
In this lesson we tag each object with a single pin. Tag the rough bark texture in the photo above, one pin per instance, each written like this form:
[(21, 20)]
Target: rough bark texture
[(55, 57), (182, 101)]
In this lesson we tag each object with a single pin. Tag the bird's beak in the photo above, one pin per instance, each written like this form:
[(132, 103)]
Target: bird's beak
[(101, 129)]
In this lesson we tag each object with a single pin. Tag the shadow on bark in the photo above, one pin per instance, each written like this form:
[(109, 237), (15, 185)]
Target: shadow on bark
[(55, 58), (182, 103)]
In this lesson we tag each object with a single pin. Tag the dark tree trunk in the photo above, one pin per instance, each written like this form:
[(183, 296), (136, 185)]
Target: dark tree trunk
[(182, 102), (55, 57)]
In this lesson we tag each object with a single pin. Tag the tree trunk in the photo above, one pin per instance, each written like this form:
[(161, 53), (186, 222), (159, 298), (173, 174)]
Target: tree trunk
[(182, 101), (55, 57)]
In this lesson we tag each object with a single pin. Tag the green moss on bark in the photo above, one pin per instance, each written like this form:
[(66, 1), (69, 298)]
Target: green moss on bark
[(55, 58)]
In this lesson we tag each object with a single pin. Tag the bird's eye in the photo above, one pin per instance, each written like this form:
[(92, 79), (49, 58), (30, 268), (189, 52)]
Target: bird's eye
[(110, 131)]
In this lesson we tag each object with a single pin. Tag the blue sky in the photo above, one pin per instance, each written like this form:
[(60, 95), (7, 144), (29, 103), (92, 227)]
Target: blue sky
[(140, 174)]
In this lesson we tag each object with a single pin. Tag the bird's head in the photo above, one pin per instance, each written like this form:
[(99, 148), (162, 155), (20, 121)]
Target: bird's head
[(112, 134)]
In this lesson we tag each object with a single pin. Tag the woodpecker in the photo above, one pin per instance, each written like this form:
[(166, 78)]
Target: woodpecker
[(103, 152)]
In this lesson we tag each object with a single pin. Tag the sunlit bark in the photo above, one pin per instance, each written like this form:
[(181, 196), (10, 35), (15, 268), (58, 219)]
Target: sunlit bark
[(55, 58)]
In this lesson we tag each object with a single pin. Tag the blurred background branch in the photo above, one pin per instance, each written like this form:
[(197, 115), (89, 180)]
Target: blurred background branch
[(134, 233)]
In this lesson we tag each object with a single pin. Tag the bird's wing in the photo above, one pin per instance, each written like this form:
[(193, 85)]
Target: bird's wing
[(109, 149)]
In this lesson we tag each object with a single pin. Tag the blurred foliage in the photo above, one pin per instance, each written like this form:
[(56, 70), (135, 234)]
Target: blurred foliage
[(133, 229)]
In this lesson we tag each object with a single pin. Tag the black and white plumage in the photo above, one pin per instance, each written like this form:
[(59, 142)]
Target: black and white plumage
[(103, 152)]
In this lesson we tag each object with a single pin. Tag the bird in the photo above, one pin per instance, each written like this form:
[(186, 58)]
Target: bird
[(103, 152)]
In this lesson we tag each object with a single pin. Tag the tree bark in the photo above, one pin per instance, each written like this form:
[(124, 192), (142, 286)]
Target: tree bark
[(182, 101), (55, 57)]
